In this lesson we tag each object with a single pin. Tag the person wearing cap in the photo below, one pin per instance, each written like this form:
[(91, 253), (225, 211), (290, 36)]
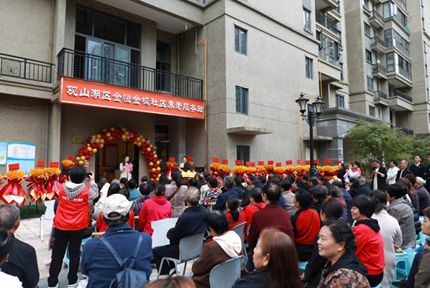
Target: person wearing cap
[(400, 210), (71, 220), (423, 195), (97, 262)]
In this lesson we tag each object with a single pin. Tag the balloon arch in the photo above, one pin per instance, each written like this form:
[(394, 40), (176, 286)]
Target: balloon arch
[(97, 141)]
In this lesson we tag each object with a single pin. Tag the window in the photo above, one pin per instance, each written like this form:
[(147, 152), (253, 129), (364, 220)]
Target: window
[(340, 101), (240, 40), (390, 63), (367, 30), (309, 68), (379, 113), (369, 83), (307, 20), (369, 56), (366, 5), (242, 153), (241, 100), (372, 111)]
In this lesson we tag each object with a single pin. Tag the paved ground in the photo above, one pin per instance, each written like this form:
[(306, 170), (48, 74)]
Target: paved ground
[(29, 232)]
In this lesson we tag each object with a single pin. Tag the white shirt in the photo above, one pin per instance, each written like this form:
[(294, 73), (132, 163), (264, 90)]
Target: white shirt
[(375, 179), (392, 174), (9, 281)]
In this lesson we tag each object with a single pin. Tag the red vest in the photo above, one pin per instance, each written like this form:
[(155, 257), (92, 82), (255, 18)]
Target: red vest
[(72, 214)]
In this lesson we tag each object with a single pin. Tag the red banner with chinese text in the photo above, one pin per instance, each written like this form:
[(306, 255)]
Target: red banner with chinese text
[(88, 93)]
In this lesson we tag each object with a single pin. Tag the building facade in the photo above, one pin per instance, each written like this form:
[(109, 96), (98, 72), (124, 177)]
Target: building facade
[(387, 53), (65, 63)]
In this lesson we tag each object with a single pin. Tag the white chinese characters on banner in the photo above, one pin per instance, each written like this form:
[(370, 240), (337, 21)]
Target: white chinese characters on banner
[(76, 91)]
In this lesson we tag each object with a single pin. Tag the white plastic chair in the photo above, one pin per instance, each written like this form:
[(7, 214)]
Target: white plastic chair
[(224, 275), (48, 215), (160, 228), (240, 230), (189, 249)]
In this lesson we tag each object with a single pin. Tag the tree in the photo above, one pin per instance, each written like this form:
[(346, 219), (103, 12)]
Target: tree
[(379, 141)]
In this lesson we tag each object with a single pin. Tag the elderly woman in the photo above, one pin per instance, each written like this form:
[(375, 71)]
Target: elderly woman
[(225, 245), (330, 210), (343, 269), (190, 223), (370, 245), (390, 231), (276, 262)]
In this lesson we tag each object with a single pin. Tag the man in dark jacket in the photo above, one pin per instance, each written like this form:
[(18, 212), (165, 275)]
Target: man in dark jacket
[(417, 168), (230, 191), (190, 223), (22, 261), (359, 187), (404, 170), (423, 195)]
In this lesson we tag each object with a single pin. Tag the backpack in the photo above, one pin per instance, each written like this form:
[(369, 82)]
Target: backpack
[(128, 276)]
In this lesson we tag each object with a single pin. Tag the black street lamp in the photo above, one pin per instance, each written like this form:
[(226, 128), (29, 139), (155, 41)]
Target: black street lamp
[(314, 111)]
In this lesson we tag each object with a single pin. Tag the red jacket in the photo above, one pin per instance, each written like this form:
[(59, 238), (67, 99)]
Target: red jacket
[(270, 216), (156, 208), (72, 214), (370, 246), (249, 211), (102, 227), (306, 226), (231, 223)]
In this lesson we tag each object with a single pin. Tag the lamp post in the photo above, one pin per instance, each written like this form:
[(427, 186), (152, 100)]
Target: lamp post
[(314, 111)]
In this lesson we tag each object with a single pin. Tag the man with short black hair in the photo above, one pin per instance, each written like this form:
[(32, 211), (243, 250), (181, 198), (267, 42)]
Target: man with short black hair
[(270, 216), (417, 168), (98, 263), (22, 261), (379, 177)]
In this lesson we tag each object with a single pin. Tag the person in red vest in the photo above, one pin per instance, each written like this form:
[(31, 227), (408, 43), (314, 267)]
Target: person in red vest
[(71, 219)]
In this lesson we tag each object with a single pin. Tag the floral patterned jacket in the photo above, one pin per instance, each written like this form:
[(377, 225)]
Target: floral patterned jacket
[(347, 272)]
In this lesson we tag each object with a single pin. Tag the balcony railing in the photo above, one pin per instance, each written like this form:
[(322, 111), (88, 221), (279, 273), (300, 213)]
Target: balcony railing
[(327, 22), (24, 68), (323, 55), (381, 95), (377, 16), (377, 40), (379, 69), (87, 66), (401, 94)]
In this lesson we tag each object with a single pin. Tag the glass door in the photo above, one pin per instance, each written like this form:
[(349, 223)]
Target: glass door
[(122, 70), (99, 67)]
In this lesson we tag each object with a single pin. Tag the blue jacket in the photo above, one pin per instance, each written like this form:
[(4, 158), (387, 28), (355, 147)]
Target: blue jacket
[(190, 223), (223, 197), (100, 266)]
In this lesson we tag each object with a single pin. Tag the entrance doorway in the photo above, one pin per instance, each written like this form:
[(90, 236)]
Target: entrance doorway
[(162, 142), (109, 158)]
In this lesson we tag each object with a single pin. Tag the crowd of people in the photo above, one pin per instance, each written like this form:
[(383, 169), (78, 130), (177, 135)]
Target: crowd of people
[(345, 229)]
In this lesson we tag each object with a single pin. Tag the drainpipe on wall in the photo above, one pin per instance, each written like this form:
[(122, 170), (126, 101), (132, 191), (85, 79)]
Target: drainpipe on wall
[(204, 42)]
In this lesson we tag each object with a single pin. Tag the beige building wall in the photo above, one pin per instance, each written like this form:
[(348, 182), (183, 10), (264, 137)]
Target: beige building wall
[(24, 120)]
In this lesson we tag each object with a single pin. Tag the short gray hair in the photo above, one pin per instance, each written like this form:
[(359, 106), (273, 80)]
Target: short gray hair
[(192, 196), (361, 180), (9, 214)]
